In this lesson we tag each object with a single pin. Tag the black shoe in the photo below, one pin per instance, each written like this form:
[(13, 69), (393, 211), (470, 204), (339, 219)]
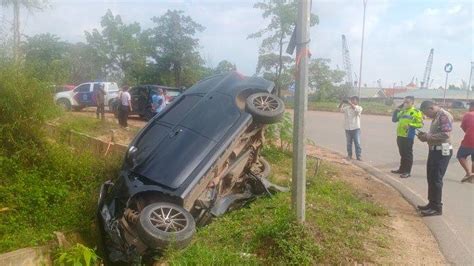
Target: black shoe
[(424, 207), (395, 172), (431, 212), (405, 175)]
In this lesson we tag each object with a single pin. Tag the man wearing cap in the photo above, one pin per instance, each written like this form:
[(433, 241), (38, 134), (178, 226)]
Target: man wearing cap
[(440, 152)]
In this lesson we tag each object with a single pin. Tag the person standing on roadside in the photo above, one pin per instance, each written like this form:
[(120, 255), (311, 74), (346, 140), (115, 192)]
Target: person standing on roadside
[(158, 101), (99, 94), (440, 152), (409, 119), (125, 101), (467, 144), (352, 111)]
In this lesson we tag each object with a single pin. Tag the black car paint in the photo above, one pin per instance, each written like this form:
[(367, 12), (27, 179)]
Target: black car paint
[(174, 151)]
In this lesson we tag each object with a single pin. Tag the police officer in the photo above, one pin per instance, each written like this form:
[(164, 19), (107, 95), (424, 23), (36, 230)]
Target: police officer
[(440, 152), (409, 119)]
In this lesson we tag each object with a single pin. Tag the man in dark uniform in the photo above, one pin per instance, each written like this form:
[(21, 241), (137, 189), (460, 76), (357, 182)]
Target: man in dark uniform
[(440, 152), (99, 92)]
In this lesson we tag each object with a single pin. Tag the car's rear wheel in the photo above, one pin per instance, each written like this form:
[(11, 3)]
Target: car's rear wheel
[(165, 224), (64, 104), (265, 108)]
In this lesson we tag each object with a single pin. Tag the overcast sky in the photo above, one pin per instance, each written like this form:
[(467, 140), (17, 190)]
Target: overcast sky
[(399, 33)]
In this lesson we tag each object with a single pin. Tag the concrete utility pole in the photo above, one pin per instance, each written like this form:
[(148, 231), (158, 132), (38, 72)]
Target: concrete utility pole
[(362, 48), (469, 82), (299, 151)]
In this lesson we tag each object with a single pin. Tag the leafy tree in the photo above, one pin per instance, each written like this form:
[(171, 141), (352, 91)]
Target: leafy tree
[(45, 56), (282, 16), (224, 66), (454, 87), (16, 4), (84, 63), (175, 47), (119, 45), (269, 66), (324, 80)]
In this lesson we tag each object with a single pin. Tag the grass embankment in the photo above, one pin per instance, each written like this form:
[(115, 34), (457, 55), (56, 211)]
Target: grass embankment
[(57, 195), (337, 229), (89, 125)]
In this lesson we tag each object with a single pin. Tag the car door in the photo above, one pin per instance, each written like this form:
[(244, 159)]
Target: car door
[(112, 92), (83, 94), (136, 95)]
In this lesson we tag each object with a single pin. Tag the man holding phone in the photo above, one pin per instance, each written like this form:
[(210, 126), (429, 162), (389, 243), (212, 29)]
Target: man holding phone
[(440, 152), (409, 119), (352, 111)]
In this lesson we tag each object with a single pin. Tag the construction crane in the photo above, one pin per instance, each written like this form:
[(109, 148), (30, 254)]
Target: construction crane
[(426, 77), (346, 62)]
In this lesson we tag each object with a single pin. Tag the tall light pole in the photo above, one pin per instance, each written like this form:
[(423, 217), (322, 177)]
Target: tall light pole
[(362, 48), (299, 151), (469, 83)]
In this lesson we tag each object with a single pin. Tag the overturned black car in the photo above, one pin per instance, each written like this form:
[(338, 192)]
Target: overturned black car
[(194, 161)]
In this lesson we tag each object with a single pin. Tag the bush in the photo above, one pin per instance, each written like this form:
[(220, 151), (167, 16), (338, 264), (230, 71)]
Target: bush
[(25, 104), (45, 186)]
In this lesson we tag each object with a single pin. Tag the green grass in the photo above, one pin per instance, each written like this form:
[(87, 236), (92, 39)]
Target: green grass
[(88, 125), (373, 108), (57, 195), (336, 231)]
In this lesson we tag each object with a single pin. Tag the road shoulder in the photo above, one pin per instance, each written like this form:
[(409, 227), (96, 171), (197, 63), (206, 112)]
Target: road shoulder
[(411, 240)]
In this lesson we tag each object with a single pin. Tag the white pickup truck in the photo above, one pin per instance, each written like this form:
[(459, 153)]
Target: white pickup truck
[(83, 95)]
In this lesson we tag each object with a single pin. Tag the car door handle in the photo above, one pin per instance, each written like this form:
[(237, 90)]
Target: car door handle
[(176, 133)]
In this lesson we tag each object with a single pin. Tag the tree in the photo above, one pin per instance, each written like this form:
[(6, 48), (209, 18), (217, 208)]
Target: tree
[(45, 56), (122, 47), (282, 15), (175, 46), (84, 63), (323, 79), (224, 66), (273, 67), (29, 5)]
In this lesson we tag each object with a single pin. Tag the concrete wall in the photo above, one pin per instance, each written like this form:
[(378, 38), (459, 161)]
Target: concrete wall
[(27, 257)]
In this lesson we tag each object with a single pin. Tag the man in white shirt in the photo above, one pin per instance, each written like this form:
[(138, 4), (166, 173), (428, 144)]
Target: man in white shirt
[(352, 111)]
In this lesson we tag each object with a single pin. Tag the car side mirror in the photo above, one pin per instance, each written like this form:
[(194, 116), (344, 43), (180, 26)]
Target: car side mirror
[(131, 154)]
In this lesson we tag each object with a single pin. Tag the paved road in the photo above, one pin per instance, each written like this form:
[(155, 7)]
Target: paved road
[(455, 229)]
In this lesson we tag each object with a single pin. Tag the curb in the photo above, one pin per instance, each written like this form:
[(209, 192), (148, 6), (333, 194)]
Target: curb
[(454, 250), (27, 257)]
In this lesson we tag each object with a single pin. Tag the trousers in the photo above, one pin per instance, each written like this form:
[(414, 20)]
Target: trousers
[(353, 136), (435, 169), (405, 148)]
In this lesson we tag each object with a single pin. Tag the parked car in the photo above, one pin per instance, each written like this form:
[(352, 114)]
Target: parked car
[(196, 160), (458, 105), (83, 95), (141, 99), (61, 88)]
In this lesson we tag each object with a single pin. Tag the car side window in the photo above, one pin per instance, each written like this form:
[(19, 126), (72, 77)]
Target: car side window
[(83, 88), (180, 109)]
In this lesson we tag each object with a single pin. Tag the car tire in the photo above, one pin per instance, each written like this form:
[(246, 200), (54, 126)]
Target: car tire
[(65, 104), (265, 108), (176, 232)]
